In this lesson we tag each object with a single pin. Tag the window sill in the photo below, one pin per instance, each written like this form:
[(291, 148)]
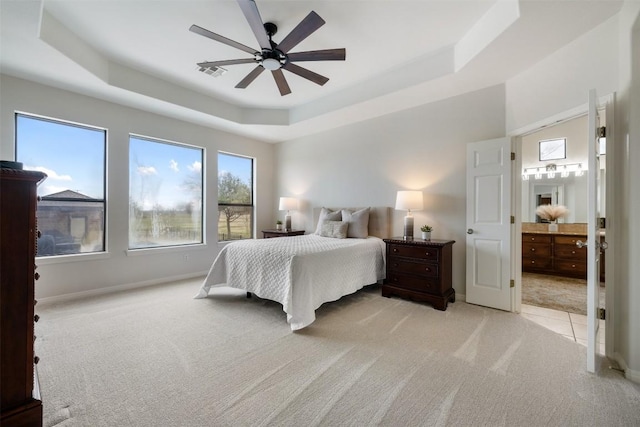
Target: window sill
[(165, 249), (61, 259)]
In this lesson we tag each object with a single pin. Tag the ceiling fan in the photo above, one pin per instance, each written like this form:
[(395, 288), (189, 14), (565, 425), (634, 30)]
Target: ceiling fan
[(274, 56)]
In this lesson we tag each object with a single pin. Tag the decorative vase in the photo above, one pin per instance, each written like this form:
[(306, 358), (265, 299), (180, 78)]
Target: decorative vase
[(278, 227), (426, 235), (553, 227)]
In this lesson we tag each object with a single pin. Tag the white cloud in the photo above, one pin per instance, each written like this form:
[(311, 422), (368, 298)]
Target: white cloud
[(51, 174), (195, 166), (174, 166), (147, 170)]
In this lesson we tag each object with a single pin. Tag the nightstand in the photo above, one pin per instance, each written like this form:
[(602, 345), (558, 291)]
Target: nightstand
[(419, 270), (267, 234)]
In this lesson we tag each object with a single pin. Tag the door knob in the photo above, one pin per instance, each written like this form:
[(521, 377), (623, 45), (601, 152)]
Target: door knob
[(470, 231), (581, 244), (603, 245)]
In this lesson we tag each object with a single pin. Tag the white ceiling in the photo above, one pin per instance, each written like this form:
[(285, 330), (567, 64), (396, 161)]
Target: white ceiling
[(400, 54)]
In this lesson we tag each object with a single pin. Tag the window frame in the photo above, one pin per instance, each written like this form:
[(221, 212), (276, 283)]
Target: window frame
[(46, 259), (555, 144), (174, 247)]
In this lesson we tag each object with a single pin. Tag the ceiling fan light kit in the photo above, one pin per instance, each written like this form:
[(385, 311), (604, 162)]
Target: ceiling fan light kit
[(273, 56)]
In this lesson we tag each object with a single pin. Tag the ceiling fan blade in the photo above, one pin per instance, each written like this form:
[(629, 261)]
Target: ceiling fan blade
[(307, 74), (319, 55), (251, 13), (250, 77), (283, 86), (303, 30), (217, 37), (226, 62)]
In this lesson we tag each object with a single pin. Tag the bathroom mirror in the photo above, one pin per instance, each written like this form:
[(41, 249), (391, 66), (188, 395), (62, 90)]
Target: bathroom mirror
[(570, 192)]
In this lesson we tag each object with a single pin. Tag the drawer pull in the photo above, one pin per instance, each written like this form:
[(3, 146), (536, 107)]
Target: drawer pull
[(427, 254), (533, 262), (533, 249), (573, 252), (427, 269), (573, 266), (395, 249)]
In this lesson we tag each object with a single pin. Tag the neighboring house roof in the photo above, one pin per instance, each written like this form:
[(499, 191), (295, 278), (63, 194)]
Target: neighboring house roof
[(66, 195)]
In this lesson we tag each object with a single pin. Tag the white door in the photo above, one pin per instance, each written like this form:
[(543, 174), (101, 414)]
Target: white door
[(593, 236), (489, 223)]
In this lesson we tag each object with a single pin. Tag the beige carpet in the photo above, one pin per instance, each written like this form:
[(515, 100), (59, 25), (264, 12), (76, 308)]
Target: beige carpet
[(558, 293), (157, 357)]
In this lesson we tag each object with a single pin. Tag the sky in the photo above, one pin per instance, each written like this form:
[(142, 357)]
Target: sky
[(73, 158)]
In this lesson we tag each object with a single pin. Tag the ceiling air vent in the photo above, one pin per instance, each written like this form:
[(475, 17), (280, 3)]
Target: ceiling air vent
[(213, 71)]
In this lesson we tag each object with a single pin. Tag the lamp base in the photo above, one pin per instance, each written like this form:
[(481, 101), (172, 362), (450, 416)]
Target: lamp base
[(287, 222), (408, 228)]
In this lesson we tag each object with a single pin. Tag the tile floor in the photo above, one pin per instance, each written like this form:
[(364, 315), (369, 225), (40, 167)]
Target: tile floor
[(570, 325)]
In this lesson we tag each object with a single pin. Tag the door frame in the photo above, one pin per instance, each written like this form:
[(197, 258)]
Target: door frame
[(608, 101)]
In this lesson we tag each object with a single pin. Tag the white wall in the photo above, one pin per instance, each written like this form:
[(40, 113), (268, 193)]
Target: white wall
[(627, 159), (575, 188), (59, 277), (561, 81), (365, 164)]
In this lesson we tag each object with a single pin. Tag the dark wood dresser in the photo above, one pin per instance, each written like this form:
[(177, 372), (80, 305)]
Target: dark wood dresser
[(420, 270), (20, 406)]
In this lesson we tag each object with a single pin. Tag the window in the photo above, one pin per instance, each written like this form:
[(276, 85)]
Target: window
[(165, 193), (71, 212), (553, 149), (235, 197)]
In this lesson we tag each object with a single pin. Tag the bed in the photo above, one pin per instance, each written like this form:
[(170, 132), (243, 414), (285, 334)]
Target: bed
[(303, 272)]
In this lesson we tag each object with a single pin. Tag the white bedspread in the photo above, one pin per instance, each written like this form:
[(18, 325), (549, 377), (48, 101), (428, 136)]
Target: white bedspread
[(300, 272)]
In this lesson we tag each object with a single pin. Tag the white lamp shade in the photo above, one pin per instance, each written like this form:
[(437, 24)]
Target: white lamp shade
[(288, 204), (409, 201)]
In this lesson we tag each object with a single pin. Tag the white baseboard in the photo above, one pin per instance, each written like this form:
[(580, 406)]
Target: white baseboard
[(629, 374), (118, 288)]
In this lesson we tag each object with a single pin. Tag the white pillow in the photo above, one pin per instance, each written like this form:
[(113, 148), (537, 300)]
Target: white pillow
[(327, 215), (335, 229), (358, 222)]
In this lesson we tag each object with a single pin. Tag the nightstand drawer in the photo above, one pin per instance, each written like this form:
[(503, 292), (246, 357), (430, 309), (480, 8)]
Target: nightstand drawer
[(413, 283), (420, 252), (418, 268)]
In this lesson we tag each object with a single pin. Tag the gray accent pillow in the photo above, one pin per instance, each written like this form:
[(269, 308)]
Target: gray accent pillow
[(335, 229), (358, 222), (327, 215)]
